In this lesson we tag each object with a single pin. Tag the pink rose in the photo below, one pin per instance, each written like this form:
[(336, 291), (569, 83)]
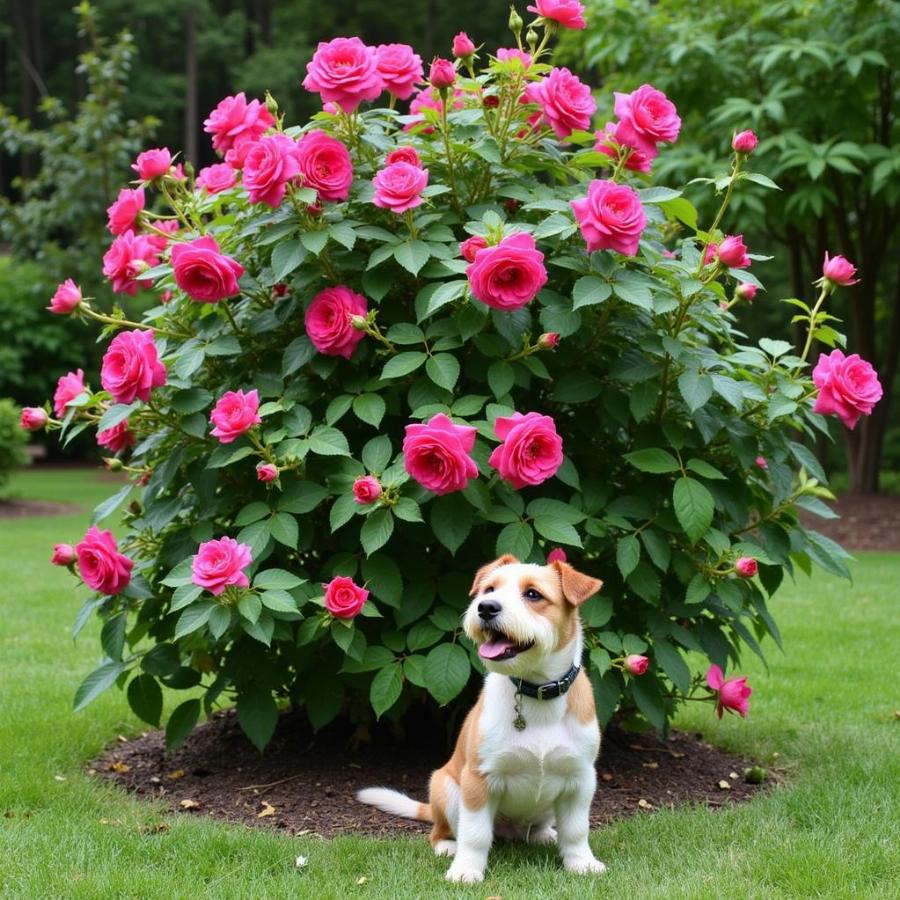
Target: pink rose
[(267, 472), (744, 142), (508, 275), (236, 123), (436, 454), (463, 45), (745, 291), (734, 694), (217, 178), (428, 98), (131, 367), (635, 664), (568, 13), (344, 599), (848, 387), (345, 71), (204, 273), (116, 438), (648, 117), (129, 256), (153, 163), (557, 554), (235, 413), (746, 566), (33, 418), (66, 298), (101, 566), (709, 254), (531, 451), (220, 564), (366, 490), (327, 321), (270, 165), (168, 227), (505, 54), (400, 68), (549, 340), (762, 463), (398, 187), (471, 246), (123, 213), (610, 217), (403, 154), (325, 165), (612, 138), (63, 555), (732, 252), (442, 73), (566, 103), (839, 270), (69, 386)]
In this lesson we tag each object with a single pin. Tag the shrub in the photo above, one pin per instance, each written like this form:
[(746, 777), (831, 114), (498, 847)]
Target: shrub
[(341, 392), (12, 441)]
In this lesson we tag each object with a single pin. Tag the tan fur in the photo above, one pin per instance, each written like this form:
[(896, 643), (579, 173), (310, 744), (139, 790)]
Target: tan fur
[(576, 586), (486, 570), (580, 699)]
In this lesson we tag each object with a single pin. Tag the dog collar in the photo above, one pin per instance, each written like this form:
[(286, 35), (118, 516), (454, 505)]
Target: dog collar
[(549, 689)]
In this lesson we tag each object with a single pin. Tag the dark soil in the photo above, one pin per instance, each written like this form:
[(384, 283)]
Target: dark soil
[(19, 509), (867, 522), (305, 783)]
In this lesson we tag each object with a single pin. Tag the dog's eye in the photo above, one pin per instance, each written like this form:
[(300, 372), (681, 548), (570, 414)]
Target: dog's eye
[(488, 590), (532, 594)]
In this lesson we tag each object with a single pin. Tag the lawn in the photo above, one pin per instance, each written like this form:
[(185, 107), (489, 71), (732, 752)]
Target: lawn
[(827, 709)]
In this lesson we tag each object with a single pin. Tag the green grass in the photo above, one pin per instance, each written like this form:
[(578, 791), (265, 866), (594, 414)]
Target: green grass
[(826, 708)]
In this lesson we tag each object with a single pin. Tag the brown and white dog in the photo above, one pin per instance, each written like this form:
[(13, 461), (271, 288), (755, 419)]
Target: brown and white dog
[(523, 766)]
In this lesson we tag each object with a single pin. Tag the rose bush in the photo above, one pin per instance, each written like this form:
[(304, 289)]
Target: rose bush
[(398, 345)]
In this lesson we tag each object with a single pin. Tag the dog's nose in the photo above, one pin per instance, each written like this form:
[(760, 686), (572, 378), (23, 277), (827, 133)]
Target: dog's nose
[(488, 609)]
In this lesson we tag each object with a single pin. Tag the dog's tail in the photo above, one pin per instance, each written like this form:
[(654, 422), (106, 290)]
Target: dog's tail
[(395, 803)]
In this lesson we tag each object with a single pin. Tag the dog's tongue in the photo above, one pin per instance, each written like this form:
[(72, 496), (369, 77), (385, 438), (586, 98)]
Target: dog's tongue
[(495, 647)]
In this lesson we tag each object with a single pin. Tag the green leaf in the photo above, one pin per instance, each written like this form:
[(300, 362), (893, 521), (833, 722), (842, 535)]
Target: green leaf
[(119, 413), (326, 441), (382, 577), (262, 629), (145, 699), (376, 530), (376, 454), (672, 664), (704, 469), (698, 589), (451, 520), (250, 607), (440, 296), (286, 257), (589, 291), (403, 363), (257, 715), (297, 354), (443, 370), (408, 510), (500, 378), (446, 672), (695, 388), (653, 459), (251, 513), (324, 702), (628, 554), (161, 660), (555, 530), (385, 689), (314, 241), (412, 255), (370, 408), (111, 504), (97, 682), (194, 617), (405, 333), (516, 538), (279, 601), (181, 723), (219, 621), (284, 528), (276, 579), (649, 702), (694, 507), (301, 497)]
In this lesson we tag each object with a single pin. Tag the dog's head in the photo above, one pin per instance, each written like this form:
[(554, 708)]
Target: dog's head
[(521, 612)]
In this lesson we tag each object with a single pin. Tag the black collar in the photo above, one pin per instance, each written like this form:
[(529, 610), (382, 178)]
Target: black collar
[(549, 689)]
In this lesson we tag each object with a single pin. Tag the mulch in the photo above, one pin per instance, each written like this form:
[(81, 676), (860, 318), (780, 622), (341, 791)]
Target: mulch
[(305, 783), (867, 522)]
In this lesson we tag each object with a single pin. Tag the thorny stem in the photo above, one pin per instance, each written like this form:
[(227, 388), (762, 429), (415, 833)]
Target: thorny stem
[(110, 320), (735, 169), (812, 320)]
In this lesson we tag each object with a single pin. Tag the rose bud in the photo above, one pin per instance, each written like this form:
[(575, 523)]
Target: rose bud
[(463, 46), (33, 418), (732, 252), (549, 340), (366, 490), (266, 472), (153, 163), (344, 598), (839, 270), (280, 289), (511, 205), (63, 555), (315, 209), (761, 462), (358, 322), (442, 74), (723, 304), (66, 299), (145, 478), (744, 142), (745, 291), (746, 567), (734, 694), (112, 463), (635, 664), (471, 246), (557, 554), (491, 101)]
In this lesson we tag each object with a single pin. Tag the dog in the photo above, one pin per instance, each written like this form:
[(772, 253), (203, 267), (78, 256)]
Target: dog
[(523, 766)]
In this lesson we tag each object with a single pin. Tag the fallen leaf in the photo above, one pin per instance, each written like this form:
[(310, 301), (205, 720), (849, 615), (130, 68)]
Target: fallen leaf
[(121, 739), (301, 862), (732, 774), (267, 810), (155, 828), (178, 773), (725, 785), (90, 771), (189, 804), (155, 779), (118, 767), (118, 823), (645, 804), (677, 755), (651, 765), (302, 832), (59, 777), (606, 776), (362, 879)]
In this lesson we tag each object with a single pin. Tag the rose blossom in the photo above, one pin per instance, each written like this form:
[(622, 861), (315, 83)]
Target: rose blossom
[(762, 463), (325, 165), (100, 565), (610, 217), (648, 117), (267, 472), (839, 270), (471, 246), (152, 163), (442, 73), (436, 454), (128, 257), (732, 252), (635, 664), (612, 138), (234, 414), (344, 599), (63, 555), (504, 54), (557, 554), (744, 142), (508, 275), (116, 438), (568, 13), (403, 154), (203, 273), (745, 291), (400, 68), (269, 166), (235, 122), (220, 564), (428, 98), (531, 451), (69, 386), (33, 418), (66, 298), (566, 102), (746, 566), (848, 387), (131, 367), (463, 46), (709, 254), (216, 178), (327, 321), (399, 186), (160, 241), (345, 71), (124, 211), (734, 694), (366, 490)]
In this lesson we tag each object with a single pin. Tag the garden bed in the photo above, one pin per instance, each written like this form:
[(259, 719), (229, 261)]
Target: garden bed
[(306, 783), (867, 522)]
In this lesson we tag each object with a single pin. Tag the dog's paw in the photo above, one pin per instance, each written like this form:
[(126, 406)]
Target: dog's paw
[(445, 848), (584, 865), (464, 874)]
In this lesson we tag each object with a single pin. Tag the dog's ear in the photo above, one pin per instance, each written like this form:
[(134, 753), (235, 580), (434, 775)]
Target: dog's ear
[(576, 586), (484, 571)]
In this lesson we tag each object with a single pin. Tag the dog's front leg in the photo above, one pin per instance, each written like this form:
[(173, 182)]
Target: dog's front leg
[(475, 832), (573, 810)]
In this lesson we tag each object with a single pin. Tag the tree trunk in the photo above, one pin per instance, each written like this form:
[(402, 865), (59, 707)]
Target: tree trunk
[(190, 78)]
